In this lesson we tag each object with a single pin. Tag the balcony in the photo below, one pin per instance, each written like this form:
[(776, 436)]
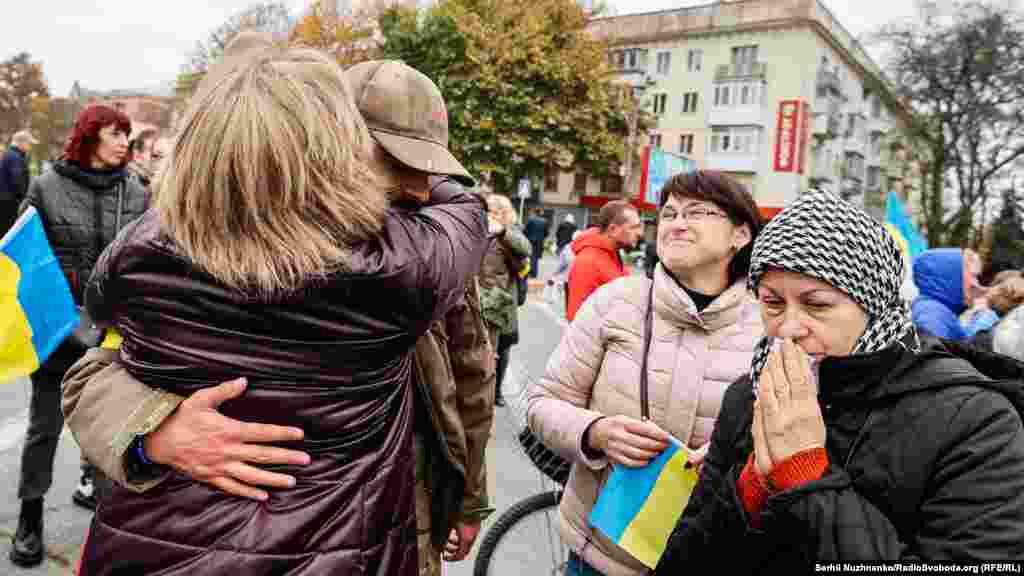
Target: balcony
[(753, 115), (741, 71), (732, 162)]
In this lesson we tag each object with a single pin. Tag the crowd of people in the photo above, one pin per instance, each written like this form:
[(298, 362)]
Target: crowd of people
[(297, 319)]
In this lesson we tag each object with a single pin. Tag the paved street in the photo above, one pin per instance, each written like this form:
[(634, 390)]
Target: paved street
[(64, 523), (515, 477)]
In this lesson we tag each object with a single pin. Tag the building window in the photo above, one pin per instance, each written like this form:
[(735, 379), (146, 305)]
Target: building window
[(744, 58), (694, 60), (686, 144), (659, 103), (579, 184), (722, 95), (747, 93), (736, 140), (664, 62), (689, 103), (656, 141), (632, 59), (611, 186), (551, 181)]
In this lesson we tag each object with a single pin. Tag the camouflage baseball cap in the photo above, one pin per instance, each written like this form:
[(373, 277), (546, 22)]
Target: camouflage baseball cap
[(406, 115)]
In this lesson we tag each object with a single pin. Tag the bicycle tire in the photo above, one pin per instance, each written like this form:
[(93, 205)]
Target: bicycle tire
[(506, 521)]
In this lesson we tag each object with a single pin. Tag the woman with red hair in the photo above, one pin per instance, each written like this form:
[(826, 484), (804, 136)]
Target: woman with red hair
[(83, 201)]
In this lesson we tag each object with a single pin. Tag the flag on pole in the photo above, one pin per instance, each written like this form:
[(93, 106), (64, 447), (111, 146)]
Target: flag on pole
[(638, 507), (898, 223), (37, 311)]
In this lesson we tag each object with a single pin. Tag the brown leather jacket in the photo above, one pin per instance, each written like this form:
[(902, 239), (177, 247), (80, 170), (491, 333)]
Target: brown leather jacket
[(105, 408), (335, 359)]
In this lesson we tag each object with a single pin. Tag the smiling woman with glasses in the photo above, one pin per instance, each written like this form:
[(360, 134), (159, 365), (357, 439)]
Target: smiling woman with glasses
[(678, 340)]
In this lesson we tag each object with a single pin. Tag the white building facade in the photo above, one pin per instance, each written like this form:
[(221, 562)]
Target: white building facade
[(773, 92)]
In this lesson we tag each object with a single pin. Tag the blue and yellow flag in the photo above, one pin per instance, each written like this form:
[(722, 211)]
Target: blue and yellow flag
[(37, 311), (898, 223), (638, 507)]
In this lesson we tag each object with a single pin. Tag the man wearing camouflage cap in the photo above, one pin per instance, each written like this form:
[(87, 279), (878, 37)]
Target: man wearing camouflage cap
[(454, 364)]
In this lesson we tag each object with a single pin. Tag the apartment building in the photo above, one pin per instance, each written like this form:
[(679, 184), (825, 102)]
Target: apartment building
[(774, 92)]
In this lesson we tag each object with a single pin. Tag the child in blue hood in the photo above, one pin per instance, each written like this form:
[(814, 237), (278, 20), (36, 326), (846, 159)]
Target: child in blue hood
[(947, 284)]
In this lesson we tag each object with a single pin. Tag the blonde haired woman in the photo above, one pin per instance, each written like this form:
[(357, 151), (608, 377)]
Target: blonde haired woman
[(271, 254), (507, 253)]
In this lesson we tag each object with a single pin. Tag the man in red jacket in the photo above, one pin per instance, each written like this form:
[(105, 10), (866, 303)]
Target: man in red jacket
[(597, 259)]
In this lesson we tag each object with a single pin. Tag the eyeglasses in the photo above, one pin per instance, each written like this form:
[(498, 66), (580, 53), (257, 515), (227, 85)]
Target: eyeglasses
[(695, 214)]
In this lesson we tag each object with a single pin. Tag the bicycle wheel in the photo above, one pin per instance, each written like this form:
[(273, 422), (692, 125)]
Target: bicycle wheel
[(524, 540)]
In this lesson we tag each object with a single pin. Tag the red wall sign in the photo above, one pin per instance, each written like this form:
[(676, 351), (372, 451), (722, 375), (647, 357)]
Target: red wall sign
[(803, 138), (792, 114)]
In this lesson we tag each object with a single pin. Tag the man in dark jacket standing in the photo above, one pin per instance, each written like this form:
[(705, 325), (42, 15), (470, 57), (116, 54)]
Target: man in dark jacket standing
[(14, 177), (536, 231), (563, 235)]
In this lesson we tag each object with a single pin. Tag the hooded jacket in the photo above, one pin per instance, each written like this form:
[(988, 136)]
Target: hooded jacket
[(939, 277), (926, 463), (597, 263), (335, 358)]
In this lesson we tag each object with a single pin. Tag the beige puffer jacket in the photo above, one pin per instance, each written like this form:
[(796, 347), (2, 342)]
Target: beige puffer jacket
[(595, 371)]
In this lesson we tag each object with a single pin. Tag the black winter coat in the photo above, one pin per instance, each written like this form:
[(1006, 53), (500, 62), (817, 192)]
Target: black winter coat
[(926, 462), (79, 210)]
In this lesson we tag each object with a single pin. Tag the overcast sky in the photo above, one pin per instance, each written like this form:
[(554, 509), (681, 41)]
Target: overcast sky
[(127, 44)]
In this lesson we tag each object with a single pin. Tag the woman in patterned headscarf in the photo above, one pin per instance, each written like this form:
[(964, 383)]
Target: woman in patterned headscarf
[(852, 438)]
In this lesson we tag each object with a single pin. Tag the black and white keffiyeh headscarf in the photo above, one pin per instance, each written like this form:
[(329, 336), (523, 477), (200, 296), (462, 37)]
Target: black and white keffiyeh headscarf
[(824, 237)]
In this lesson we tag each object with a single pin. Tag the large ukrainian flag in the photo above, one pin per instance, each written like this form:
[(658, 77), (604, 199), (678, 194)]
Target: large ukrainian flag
[(902, 229), (37, 311), (638, 507)]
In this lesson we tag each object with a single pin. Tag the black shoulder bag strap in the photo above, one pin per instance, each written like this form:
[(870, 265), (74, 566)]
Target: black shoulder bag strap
[(645, 409)]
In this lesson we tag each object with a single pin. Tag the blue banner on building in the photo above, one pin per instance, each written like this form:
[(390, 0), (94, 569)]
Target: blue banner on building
[(662, 166)]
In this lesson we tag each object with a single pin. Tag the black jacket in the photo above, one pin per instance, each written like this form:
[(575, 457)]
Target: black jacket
[(926, 462), (79, 210), (14, 179), (563, 234)]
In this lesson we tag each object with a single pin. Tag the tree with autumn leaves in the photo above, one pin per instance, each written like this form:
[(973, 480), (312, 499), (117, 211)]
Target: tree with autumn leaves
[(528, 89)]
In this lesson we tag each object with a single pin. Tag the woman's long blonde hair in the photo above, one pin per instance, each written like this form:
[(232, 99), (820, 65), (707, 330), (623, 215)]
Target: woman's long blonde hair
[(270, 178), (499, 208)]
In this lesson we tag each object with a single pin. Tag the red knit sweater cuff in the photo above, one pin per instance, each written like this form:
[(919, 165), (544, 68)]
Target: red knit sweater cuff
[(799, 469), (752, 491)]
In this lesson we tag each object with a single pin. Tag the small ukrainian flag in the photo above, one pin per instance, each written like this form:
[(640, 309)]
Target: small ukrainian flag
[(37, 311), (638, 507)]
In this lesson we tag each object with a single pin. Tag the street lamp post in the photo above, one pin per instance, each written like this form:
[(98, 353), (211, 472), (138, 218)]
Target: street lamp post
[(636, 95)]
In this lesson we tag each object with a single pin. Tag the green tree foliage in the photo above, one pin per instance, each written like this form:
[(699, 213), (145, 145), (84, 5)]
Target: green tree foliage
[(21, 80), (528, 88)]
